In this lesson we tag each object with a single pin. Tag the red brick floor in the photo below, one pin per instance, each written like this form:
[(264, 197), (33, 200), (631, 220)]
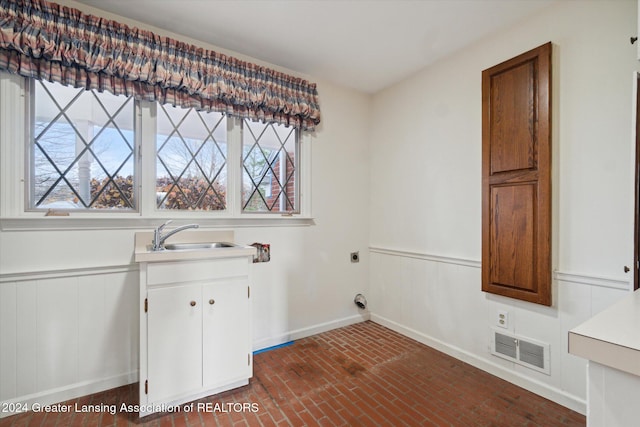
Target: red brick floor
[(360, 375)]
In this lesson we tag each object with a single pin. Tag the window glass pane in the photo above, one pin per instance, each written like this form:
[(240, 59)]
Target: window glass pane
[(82, 149), (191, 159), (269, 168)]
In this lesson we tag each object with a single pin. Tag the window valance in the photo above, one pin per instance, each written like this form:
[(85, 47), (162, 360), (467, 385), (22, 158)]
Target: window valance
[(47, 41)]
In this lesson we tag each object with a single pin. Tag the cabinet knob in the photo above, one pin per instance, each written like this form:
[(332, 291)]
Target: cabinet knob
[(212, 301), (192, 303)]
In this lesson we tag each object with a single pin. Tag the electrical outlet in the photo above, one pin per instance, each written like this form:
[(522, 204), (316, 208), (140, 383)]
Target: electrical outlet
[(502, 319)]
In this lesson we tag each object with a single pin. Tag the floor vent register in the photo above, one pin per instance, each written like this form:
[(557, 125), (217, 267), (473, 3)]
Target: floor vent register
[(521, 350)]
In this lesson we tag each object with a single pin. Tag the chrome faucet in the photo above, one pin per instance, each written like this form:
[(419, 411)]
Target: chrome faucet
[(159, 238)]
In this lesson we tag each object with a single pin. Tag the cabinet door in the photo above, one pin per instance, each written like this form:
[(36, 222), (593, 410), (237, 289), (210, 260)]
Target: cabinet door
[(174, 330), (516, 177), (226, 334)]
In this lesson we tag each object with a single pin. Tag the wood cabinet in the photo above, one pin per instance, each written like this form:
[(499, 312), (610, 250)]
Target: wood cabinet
[(516, 177), (195, 330)]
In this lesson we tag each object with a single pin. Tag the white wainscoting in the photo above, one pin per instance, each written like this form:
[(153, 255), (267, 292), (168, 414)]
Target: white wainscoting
[(69, 333), (65, 334), (438, 301)]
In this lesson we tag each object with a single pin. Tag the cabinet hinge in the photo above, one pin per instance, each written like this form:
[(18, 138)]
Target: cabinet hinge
[(146, 387), (248, 291), (248, 359), (146, 305)]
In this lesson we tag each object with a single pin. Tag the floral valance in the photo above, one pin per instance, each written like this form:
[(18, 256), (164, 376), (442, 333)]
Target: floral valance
[(47, 41)]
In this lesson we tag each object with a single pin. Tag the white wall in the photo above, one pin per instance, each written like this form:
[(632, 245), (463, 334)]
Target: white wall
[(399, 172), (310, 282), (70, 297), (426, 193)]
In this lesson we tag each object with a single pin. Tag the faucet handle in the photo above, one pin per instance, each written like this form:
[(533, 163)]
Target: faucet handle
[(156, 243), (160, 228)]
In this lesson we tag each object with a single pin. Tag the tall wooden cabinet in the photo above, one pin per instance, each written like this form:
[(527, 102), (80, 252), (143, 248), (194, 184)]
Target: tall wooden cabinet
[(516, 177)]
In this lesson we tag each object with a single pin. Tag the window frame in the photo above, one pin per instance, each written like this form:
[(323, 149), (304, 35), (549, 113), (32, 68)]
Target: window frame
[(29, 203), (14, 167), (154, 109), (297, 192)]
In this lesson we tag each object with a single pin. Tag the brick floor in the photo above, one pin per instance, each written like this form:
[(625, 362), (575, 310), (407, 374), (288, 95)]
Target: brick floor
[(359, 375)]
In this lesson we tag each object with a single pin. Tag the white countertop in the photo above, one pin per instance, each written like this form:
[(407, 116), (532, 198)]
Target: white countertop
[(143, 252), (611, 337)]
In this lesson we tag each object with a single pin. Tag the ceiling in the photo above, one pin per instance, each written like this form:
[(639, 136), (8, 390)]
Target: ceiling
[(366, 45)]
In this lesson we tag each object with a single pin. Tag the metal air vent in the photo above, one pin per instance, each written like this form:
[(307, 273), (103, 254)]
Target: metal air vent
[(521, 350)]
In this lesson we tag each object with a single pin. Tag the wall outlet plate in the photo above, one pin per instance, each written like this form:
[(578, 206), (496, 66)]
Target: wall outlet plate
[(502, 319)]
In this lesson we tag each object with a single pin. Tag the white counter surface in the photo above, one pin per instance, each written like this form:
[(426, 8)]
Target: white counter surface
[(143, 253), (611, 337)]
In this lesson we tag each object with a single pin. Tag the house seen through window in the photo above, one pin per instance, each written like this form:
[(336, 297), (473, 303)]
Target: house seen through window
[(270, 173)]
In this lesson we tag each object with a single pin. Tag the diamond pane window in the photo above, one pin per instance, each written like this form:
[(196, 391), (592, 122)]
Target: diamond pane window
[(191, 159), (269, 168), (82, 149)]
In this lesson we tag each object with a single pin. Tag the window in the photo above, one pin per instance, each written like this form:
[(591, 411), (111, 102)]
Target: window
[(191, 159), (269, 163), (82, 149), (92, 152)]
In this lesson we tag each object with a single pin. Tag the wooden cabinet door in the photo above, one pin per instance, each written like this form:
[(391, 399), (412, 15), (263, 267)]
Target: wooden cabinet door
[(174, 331), (516, 177), (226, 334)]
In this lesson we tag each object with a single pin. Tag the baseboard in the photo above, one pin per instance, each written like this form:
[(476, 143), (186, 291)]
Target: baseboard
[(61, 394), (558, 396), (310, 330)]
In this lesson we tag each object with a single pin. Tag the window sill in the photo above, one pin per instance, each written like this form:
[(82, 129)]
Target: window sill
[(97, 223)]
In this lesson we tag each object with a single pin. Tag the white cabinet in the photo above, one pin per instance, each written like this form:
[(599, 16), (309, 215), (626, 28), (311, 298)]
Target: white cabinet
[(174, 341), (195, 330), (225, 314)]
